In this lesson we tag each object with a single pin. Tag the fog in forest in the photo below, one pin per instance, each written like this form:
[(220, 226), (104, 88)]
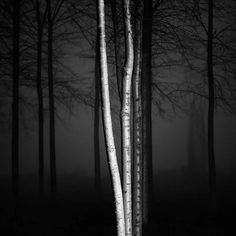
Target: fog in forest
[(74, 138), (167, 72)]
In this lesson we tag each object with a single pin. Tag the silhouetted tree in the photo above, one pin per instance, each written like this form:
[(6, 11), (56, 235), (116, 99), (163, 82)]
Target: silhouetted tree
[(51, 101), (97, 169), (40, 18), (211, 107), (15, 96), (146, 73)]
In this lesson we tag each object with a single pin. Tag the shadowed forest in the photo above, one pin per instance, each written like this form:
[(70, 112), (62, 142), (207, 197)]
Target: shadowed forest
[(117, 117)]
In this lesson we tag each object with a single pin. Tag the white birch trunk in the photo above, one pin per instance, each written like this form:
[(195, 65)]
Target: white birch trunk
[(109, 137), (126, 120)]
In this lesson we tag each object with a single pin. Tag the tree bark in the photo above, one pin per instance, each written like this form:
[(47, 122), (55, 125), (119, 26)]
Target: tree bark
[(137, 124), (107, 123), (211, 104), (126, 119), (51, 104), (15, 100), (40, 102), (147, 109)]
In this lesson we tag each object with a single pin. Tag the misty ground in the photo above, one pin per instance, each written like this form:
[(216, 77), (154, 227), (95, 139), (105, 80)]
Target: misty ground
[(180, 207)]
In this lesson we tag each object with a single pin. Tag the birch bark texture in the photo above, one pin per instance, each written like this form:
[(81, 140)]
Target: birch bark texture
[(107, 121), (126, 119), (137, 122)]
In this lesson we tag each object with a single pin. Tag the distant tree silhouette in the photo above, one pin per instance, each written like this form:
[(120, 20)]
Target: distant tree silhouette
[(211, 107), (51, 102), (146, 73), (40, 18), (15, 97), (97, 168)]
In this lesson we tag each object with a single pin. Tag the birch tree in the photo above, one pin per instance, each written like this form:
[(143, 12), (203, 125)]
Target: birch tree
[(126, 119), (137, 123), (108, 130)]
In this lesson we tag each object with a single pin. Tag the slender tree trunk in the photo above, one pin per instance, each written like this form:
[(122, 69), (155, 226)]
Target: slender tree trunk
[(97, 168), (203, 138), (137, 124), (126, 119), (211, 154), (51, 104), (40, 102), (147, 109), (107, 122), (15, 101)]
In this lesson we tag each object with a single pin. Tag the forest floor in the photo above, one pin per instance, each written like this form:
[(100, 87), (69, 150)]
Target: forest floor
[(179, 209)]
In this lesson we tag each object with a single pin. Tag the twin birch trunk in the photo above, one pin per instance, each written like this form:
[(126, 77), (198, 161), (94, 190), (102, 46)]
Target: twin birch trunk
[(109, 137), (126, 120)]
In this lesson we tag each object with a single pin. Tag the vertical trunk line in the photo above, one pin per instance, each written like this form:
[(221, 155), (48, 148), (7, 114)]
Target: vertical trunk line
[(137, 124), (97, 167), (40, 103), (107, 121), (211, 154), (15, 100), (147, 109), (51, 104), (126, 119)]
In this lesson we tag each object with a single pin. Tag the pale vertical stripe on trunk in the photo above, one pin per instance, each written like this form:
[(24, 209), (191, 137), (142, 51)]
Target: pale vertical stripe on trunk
[(126, 125), (109, 137)]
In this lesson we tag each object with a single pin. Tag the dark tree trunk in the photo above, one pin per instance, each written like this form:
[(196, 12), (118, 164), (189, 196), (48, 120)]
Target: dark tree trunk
[(203, 138), (147, 108), (97, 167), (191, 140), (40, 102), (211, 155), (51, 104), (15, 101), (137, 124), (118, 58)]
